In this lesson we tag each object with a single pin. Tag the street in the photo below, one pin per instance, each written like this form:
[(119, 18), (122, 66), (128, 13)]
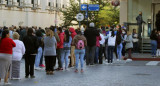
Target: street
[(135, 73)]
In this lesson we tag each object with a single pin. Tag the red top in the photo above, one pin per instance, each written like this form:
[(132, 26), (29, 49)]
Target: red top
[(98, 38), (60, 43), (6, 45)]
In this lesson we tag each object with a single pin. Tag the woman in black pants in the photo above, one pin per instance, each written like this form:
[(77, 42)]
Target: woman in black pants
[(31, 45), (50, 45)]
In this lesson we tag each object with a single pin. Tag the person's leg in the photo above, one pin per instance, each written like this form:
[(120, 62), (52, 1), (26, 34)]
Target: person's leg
[(54, 61), (96, 55), (51, 64), (112, 50), (106, 51), (32, 61), (123, 50), (82, 53), (139, 31), (152, 45), (47, 63), (66, 58), (87, 55), (129, 53), (62, 57), (6, 78), (59, 58), (92, 54), (155, 48), (77, 57), (38, 57), (27, 65), (100, 54), (72, 55), (118, 51), (109, 53), (115, 51)]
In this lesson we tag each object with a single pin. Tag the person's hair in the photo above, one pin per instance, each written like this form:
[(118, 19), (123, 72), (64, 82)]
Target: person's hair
[(92, 24), (15, 35), (39, 33), (52, 28), (30, 31), (4, 33), (67, 35), (118, 38), (60, 29), (112, 35), (49, 33), (153, 32), (79, 33)]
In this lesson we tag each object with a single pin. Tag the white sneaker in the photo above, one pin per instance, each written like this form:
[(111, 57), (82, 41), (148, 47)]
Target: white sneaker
[(118, 60), (106, 60), (128, 60), (7, 83), (16, 78), (37, 68)]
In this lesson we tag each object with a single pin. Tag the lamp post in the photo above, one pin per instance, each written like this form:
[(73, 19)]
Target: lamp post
[(79, 12), (56, 14)]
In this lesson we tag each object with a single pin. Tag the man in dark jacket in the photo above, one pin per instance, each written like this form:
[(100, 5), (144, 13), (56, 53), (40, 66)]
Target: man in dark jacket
[(158, 21), (91, 34), (139, 22)]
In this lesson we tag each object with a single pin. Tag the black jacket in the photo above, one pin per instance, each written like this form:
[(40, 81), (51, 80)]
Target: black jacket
[(31, 44), (91, 34), (139, 19)]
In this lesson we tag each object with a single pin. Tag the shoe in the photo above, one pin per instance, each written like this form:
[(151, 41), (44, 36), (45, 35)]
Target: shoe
[(32, 76), (47, 72), (37, 68), (42, 65), (106, 60), (76, 71), (51, 72), (7, 83), (26, 76), (82, 71), (128, 60), (118, 60)]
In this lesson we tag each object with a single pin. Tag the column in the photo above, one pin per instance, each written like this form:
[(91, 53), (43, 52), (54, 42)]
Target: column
[(123, 11)]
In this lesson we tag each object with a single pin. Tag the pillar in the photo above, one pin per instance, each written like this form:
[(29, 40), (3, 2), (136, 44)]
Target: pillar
[(123, 11)]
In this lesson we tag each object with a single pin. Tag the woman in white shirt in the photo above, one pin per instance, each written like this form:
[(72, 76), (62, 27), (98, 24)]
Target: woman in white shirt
[(18, 53), (111, 46)]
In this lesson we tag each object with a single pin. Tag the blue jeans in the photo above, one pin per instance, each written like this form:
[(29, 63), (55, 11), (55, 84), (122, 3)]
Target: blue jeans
[(110, 53), (154, 47), (119, 50), (38, 57), (79, 55), (64, 55), (96, 55)]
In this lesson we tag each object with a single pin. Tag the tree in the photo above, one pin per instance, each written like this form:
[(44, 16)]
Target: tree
[(107, 14)]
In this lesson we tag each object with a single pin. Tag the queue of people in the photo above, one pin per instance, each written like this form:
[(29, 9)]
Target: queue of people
[(60, 44)]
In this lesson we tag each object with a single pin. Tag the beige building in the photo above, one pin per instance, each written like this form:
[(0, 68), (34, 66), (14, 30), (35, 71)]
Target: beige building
[(42, 13)]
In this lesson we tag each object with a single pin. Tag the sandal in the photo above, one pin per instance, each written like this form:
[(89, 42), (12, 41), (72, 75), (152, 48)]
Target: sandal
[(76, 71), (82, 71)]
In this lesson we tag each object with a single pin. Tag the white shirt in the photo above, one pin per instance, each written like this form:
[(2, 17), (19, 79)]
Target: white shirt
[(102, 39), (18, 51), (112, 41)]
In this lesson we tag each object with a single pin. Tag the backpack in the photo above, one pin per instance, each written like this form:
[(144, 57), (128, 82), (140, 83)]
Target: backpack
[(80, 44)]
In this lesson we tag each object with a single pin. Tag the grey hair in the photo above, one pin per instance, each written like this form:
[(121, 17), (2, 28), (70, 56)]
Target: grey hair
[(91, 24)]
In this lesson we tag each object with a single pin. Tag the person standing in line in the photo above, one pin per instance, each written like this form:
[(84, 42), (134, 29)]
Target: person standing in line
[(139, 22), (18, 53), (79, 42), (158, 20), (129, 45), (98, 38), (31, 44), (6, 45), (135, 41), (66, 50), (158, 44), (153, 38), (73, 34), (111, 46), (50, 45), (119, 46), (102, 49), (60, 47), (91, 34), (124, 36), (40, 51)]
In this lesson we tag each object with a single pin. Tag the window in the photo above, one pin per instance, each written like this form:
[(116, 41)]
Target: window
[(49, 3), (9, 2)]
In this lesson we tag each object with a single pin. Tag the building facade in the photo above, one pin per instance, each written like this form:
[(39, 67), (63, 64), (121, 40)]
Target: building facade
[(41, 13), (129, 10)]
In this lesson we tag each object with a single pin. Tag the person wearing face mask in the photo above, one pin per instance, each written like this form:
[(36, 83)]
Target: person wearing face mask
[(124, 36), (140, 22)]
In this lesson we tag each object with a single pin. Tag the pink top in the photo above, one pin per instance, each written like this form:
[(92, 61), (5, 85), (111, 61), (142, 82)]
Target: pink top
[(98, 38)]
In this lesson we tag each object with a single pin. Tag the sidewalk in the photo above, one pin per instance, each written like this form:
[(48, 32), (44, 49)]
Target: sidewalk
[(143, 57)]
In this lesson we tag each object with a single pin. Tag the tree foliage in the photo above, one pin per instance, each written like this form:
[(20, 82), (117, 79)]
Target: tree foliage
[(107, 14)]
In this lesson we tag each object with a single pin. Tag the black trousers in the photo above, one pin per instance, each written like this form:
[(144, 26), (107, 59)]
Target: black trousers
[(50, 61), (90, 54), (124, 49), (100, 54), (29, 64), (59, 51)]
